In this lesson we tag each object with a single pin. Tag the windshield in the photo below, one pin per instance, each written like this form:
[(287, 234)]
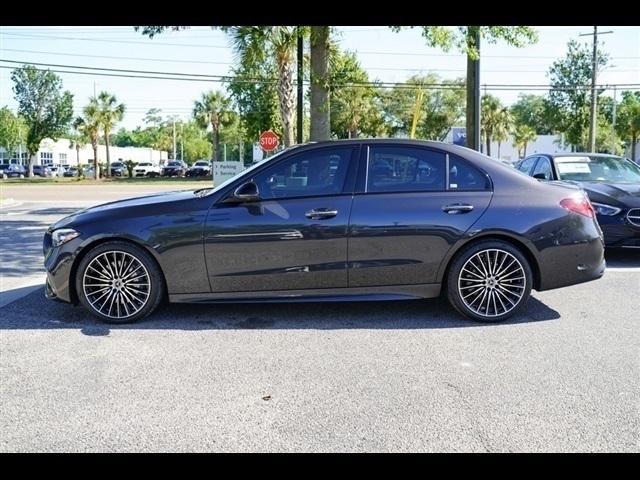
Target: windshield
[(594, 168), (144, 164), (173, 164), (201, 164)]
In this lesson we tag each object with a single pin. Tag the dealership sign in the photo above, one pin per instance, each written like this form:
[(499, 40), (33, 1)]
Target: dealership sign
[(222, 171)]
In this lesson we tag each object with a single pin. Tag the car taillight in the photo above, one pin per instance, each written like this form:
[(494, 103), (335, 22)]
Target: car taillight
[(580, 205)]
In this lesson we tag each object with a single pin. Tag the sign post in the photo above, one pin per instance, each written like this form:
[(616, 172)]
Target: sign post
[(269, 141)]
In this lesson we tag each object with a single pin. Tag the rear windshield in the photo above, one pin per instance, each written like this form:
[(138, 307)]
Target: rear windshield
[(144, 164), (174, 164)]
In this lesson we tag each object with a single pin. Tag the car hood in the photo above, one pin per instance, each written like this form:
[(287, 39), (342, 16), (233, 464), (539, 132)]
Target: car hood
[(620, 194), (156, 201)]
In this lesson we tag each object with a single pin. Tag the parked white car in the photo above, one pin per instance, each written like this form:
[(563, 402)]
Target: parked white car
[(146, 169)]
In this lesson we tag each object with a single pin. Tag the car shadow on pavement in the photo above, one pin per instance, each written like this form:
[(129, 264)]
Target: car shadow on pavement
[(622, 258), (35, 312)]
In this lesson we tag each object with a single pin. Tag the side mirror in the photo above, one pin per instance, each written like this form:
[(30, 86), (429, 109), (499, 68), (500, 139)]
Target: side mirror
[(540, 176), (247, 192)]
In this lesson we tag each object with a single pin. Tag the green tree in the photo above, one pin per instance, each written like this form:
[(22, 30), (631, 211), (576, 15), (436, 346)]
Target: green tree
[(12, 130), (46, 109), (256, 44), (110, 112), (89, 127), (533, 111), (628, 121), (213, 109), (254, 92), (464, 39), (77, 140), (355, 109), (491, 120), (523, 134), (570, 98), (503, 127)]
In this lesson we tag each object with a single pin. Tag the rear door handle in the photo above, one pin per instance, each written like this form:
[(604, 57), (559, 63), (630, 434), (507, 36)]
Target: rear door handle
[(321, 213), (457, 208)]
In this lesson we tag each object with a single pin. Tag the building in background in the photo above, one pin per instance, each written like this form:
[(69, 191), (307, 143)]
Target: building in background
[(61, 153)]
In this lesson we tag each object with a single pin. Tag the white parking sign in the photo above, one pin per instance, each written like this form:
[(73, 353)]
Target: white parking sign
[(223, 171)]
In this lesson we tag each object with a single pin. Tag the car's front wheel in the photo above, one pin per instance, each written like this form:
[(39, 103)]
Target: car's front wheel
[(489, 281), (119, 282)]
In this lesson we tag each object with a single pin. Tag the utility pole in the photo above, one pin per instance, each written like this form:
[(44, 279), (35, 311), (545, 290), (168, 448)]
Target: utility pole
[(300, 109), (594, 99), (182, 141), (174, 138), (473, 96), (613, 126)]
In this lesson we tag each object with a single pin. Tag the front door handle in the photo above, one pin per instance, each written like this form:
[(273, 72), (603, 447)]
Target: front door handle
[(457, 208), (321, 213)]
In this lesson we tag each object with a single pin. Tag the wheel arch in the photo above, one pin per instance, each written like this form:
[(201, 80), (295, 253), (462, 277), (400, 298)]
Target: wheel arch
[(526, 250), (96, 241)]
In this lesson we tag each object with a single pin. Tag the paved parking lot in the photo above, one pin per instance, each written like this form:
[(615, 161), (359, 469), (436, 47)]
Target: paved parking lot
[(396, 376)]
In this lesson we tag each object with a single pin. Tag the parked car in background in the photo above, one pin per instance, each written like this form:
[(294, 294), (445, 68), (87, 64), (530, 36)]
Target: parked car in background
[(175, 168), (71, 172), (612, 183), (41, 171), (434, 218), (118, 169), (200, 168), (12, 170), (146, 169)]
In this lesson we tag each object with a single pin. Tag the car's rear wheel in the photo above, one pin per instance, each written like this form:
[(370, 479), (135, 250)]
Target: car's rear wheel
[(119, 282), (489, 281)]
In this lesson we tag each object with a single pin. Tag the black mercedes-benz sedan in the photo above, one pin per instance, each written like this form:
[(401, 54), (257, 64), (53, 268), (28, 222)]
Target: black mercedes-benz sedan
[(611, 182), (333, 221)]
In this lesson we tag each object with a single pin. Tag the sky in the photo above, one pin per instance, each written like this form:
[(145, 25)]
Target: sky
[(387, 56)]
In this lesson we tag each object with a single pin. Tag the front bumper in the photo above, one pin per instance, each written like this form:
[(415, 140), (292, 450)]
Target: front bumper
[(58, 262), (618, 232)]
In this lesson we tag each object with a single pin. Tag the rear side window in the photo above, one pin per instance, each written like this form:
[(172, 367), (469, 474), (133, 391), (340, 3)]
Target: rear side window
[(527, 165), (405, 169), (464, 176)]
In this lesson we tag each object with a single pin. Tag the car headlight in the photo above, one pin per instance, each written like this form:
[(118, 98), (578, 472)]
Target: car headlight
[(63, 235), (608, 210)]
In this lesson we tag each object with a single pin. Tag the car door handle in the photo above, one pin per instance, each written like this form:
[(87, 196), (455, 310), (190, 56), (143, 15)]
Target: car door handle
[(321, 213), (457, 208)]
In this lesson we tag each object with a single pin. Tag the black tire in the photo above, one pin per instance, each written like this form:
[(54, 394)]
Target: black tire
[(154, 292), (499, 290)]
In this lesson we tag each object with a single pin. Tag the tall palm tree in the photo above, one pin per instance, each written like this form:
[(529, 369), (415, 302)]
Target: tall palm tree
[(523, 134), (503, 127), (490, 119), (89, 126), (78, 139), (110, 113), (253, 45), (213, 109)]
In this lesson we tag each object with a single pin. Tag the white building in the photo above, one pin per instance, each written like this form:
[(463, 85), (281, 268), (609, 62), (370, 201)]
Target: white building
[(61, 153)]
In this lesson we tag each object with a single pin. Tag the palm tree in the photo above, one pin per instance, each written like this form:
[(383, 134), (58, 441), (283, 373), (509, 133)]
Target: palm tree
[(110, 113), (89, 126), (78, 139), (319, 93), (253, 45), (503, 127), (523, 134), (490, 119), (213, 109)]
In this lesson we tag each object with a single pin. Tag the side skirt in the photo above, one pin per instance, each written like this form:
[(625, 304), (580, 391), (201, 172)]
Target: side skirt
[(351, 294)]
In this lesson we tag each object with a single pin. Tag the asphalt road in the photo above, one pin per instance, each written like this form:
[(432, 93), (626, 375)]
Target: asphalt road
[(396, 376)]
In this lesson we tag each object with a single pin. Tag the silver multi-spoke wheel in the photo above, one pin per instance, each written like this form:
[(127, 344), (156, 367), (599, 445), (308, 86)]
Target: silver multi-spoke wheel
[(492, 282), (116, 284)]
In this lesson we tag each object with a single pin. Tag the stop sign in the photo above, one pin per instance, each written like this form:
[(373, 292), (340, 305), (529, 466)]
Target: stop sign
[(269, 141)]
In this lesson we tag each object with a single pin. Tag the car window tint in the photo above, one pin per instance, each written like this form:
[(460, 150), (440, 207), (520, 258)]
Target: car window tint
[(322, 172), (405, 169), (543, 166), (527, 164), (463, 176)]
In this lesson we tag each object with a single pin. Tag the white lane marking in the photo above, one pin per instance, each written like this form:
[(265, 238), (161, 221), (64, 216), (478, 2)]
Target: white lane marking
[(622, 269), (24, 289)]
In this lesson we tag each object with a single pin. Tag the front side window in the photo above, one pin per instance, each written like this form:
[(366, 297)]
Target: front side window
[(405, 169), (320, 172), (543, 166)]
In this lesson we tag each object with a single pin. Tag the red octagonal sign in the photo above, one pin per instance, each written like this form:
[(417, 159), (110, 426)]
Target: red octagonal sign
[(269, 141)]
